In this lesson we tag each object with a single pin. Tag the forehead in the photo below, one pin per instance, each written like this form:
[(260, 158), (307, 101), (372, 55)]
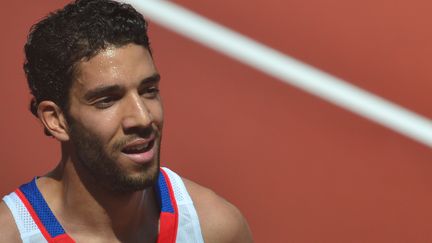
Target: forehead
[(115, 66)]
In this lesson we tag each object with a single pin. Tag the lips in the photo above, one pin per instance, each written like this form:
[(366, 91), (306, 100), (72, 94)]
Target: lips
[(140, 151), (138, 147)]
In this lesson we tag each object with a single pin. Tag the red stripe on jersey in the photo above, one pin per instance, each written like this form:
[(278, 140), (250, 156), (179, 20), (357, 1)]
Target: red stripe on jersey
[(63, 238), (168, 221), (167, 228), (33, 215)]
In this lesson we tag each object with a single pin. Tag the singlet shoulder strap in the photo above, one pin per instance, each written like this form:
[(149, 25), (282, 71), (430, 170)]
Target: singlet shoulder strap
[(168, 221), (189, 230), (29, 232), (33, 217)]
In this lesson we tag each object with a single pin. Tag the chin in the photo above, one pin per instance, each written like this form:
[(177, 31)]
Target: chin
[(140, 180)]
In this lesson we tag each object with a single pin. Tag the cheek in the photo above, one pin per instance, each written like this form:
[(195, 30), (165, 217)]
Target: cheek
[(101, 124), (156, 110)]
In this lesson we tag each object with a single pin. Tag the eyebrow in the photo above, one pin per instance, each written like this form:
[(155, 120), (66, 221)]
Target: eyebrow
[(103, 90), (152, 79)]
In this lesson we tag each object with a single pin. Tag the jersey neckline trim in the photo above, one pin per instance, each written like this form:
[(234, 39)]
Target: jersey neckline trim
[(52, 230)]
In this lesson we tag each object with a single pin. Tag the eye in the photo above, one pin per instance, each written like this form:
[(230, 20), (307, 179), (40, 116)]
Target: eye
[(105, 102), (150, 92)]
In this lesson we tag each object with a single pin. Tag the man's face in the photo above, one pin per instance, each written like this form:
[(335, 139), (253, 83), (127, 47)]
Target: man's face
[(115, 118)]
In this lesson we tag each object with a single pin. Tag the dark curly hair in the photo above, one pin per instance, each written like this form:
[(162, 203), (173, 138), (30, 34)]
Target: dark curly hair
[(77, 32)]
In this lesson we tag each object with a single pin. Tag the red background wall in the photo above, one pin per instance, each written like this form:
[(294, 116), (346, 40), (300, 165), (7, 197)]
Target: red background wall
[(299, 168)]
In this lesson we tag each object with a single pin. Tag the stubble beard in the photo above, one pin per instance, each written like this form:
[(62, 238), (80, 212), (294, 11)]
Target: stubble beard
[(103, 166)]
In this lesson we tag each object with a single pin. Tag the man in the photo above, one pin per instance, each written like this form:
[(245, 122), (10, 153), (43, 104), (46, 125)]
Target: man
[(96, 90)]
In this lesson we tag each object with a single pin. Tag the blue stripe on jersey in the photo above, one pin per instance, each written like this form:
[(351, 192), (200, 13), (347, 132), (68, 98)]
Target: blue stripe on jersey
[(163, 194), (41, 208)]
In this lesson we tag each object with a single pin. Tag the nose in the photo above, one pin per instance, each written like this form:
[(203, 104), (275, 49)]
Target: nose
[(136, 114)]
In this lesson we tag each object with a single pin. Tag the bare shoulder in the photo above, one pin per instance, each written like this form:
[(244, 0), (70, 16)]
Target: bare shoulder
[(8, 230), (220, 220)]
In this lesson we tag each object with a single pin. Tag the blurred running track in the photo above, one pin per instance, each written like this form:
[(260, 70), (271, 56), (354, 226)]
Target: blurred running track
[(299, 168)]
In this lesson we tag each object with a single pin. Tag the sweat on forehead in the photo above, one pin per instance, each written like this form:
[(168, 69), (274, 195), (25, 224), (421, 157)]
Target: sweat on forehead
[(115, 65)]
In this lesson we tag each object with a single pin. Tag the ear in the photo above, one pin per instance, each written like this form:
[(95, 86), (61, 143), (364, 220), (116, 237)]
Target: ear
[(53, 120)]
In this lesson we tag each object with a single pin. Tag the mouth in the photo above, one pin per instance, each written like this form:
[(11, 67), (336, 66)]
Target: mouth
[(140, 151), (138, 147)]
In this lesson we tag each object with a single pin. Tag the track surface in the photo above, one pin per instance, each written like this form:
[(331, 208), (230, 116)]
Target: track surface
[(299, 168)]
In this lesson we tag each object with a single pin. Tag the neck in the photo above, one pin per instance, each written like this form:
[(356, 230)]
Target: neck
[(81, 204)]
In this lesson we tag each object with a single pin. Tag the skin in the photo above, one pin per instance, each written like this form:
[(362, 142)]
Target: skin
[(83, 202)]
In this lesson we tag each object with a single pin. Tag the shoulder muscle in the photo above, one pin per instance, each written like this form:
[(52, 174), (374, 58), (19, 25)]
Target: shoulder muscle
[(220, 220), (8, 230)]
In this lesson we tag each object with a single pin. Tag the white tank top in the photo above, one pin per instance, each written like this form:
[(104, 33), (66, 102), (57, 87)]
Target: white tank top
[(37, 224)]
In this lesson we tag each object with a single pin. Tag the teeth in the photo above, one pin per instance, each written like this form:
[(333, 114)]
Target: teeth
[(143, 146), (137, 148)]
